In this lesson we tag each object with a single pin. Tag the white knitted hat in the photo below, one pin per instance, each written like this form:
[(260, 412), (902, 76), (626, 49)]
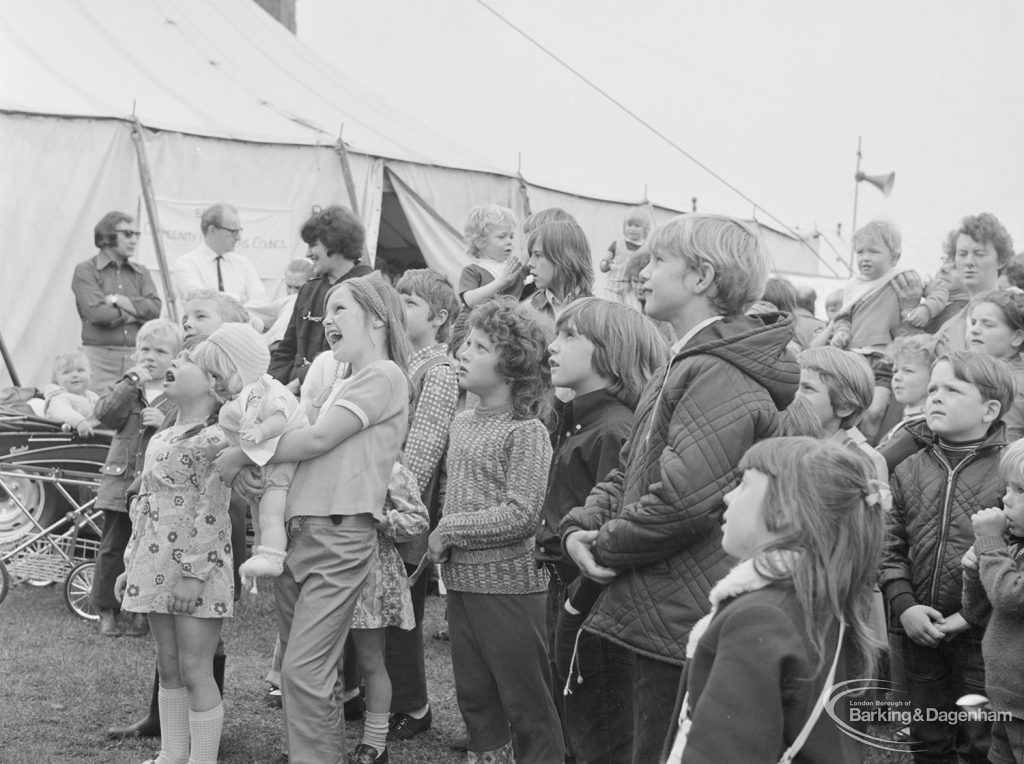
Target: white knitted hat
[(245, 348)]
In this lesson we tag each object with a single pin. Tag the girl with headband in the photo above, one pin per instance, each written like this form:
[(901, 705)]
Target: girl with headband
[(335, 502)]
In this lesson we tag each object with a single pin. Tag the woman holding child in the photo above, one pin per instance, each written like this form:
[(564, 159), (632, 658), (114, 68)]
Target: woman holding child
[(980, 248)]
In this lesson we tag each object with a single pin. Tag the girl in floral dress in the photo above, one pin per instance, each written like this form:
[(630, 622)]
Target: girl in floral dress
[(178, 566), (386, 601)]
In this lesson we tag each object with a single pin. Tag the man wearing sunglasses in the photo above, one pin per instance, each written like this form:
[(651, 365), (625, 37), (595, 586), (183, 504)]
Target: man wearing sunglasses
[(215, 265), (114, 296)]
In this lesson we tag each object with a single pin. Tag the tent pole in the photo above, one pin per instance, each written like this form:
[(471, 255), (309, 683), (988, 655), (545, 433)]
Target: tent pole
[(856, 189), (154, 221), (346, 170), (524, 193), (9, 363)]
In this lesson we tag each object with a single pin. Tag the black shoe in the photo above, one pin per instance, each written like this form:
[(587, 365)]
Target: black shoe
[(144, 727), (273, 696), (461, 743), (355, 708), (367, 754), (405, 727)]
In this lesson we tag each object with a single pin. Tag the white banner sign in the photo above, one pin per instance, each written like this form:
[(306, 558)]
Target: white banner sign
[(270, 238)]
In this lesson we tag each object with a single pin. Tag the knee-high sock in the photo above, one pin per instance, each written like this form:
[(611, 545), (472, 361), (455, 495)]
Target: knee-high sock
[(205, 728), (174, 733)]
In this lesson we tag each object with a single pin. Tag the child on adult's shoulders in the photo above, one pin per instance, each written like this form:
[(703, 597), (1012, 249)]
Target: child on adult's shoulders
[(875, 307)]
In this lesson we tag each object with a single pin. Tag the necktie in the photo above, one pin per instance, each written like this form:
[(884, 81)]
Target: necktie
[(220, 276)]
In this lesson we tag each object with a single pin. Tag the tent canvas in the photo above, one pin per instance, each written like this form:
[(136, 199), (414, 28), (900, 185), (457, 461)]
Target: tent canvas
[(231, 107)]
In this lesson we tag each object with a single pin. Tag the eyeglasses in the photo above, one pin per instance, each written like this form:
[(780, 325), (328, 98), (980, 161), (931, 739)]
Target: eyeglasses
[(129, 234), (232, 231)]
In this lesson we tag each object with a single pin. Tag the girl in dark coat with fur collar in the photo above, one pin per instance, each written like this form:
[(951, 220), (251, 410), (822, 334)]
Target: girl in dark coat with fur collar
[(790, 622)]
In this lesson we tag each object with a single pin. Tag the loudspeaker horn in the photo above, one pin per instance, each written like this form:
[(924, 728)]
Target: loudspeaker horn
[(883, 183)]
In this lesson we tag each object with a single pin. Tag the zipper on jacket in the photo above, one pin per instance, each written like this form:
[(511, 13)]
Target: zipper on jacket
[(952, 472)]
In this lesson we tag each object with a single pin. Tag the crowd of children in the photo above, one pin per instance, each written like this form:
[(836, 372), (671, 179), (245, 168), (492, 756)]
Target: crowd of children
[(717, 518)]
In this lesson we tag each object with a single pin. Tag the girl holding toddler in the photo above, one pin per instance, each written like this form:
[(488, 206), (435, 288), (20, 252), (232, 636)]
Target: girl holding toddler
[(336, 500)]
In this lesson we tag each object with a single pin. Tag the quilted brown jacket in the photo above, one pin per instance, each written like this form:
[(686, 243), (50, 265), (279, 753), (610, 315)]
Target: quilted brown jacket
[(659, 515), (929, 528), (120, 408)]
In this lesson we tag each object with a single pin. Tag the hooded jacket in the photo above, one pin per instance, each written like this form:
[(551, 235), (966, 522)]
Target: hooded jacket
[(929, 528), (659, 515)]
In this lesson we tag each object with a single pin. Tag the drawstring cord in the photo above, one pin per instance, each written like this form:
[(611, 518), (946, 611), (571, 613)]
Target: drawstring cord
[(574, 661)]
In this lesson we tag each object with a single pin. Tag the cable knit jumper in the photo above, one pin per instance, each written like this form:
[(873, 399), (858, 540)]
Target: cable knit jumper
[(497, 476)]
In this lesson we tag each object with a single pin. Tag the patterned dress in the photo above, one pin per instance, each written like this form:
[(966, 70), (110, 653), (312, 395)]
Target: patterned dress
[(181, 527), (385, 599)]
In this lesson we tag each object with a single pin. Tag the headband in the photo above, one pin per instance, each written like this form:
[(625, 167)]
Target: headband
[(365, 288)]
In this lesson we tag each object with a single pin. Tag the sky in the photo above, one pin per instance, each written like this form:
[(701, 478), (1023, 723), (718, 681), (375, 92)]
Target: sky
[(770, 97)]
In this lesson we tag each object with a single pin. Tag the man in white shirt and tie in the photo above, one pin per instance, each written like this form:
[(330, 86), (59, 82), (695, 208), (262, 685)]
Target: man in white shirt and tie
[(215, 265)]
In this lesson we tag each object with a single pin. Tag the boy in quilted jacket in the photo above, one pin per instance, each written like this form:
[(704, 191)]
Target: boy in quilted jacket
[(651, 530), (935, 493), (135, 407)]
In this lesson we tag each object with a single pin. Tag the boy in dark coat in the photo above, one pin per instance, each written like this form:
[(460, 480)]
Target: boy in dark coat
[(935, 493), (652, 530)]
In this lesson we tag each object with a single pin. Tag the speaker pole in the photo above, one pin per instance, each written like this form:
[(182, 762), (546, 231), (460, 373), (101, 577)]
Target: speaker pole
[(856, 189)]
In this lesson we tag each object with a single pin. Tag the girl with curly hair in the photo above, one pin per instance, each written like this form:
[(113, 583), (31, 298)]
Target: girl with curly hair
[(498, 458)]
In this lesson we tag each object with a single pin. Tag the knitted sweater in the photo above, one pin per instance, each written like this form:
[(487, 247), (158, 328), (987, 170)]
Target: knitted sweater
[(999, 580), (70, 408), (497, 475)]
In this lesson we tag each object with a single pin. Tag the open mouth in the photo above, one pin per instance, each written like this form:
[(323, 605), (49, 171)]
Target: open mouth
[(169, 376), (333, 336)]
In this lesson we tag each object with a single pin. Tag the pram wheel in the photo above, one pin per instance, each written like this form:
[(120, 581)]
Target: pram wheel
[(5, 581), (78, 591)]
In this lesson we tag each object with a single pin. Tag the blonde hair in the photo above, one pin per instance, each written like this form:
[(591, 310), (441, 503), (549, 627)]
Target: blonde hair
[(482, 221), (848, 377), (1011, 463), (214, 362), (299, 266), (925, 347), (734, 251), (627, 346), (161, 330), (228, 308), (640, 216), (64, 360), (833, 531), (885, 231)]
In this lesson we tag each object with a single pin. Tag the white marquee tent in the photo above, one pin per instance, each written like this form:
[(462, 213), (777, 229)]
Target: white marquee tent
[(221, 103)]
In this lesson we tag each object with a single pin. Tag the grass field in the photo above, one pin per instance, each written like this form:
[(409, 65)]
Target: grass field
[(63, 685)]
